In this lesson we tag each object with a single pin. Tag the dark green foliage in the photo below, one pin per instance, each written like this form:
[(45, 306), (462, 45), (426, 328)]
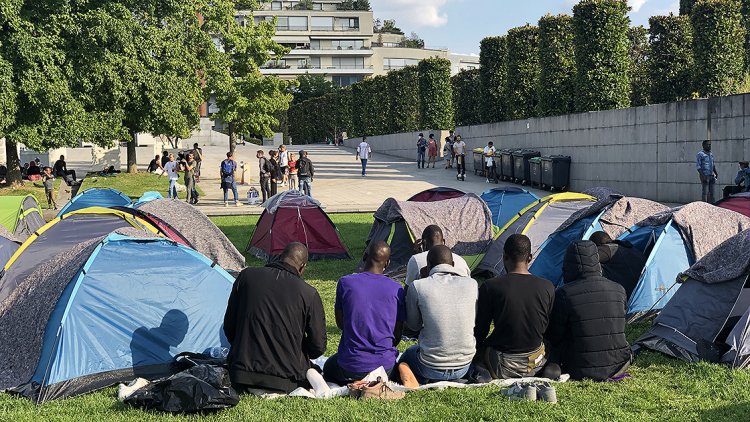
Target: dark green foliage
[(403, 90), (686, 6), (523, 72), (670, 62), (467, 97), (370, 107), (311, 86), (380, 104), (493, 70), (557, 65), (746, 25), (718, 46), (601, 50), (435, 96), (640, 84)]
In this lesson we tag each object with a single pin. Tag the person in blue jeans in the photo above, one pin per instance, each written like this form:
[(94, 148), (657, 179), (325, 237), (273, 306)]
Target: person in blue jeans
[(228, 168), (305, 173), (704, 163), (363, 154), (421, 150), (442, 308)]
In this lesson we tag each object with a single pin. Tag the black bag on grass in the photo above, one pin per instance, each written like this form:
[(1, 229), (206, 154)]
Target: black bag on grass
[(200, 388)]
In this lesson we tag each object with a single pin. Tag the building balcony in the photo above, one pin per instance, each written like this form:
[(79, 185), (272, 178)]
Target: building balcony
[(330, 52), (318, 70)]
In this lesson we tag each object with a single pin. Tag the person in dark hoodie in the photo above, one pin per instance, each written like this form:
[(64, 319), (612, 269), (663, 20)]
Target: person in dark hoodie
[(586, 334), (275, 323), (621, 262)]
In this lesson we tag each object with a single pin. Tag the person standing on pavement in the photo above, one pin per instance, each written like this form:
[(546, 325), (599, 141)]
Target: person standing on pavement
[(275, 171), (49, 187), (284, 163), (704, 163), (363, 154), (459, 150), (189, 165), (265, 175), (198, 155), (431, 151), (228, 168), (421, 150), (170, 169), (292, 171), (305, 173), (489, 159), (448, 152)]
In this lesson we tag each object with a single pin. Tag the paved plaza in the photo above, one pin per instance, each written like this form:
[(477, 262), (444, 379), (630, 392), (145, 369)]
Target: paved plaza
[(338, 183)]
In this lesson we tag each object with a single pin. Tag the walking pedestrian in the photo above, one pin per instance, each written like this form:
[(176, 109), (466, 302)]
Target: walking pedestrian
[(228, 168), (489, 159), (363, 154), (431, 151), (189, 166), (265, 175), (459, 150), (275, 171), (305, 173), (198, 155), (448, 152), (421, 150), (292, 171), (704, 163), (170, 169)]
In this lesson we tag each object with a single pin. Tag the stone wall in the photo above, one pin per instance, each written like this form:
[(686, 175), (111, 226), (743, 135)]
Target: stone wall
[(643, 151)]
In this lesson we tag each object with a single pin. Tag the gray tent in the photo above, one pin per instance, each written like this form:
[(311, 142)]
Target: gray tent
[(708, 318), (466, 223)]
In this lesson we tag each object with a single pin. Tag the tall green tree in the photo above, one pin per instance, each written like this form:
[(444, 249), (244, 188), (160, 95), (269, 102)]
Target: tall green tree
[(557, 65), (311, 86), (670, 63), (640, 83), (718, 46), (493, 71), (435, 99), (248, 102), (686, 7), (602, 54), (523, 72)]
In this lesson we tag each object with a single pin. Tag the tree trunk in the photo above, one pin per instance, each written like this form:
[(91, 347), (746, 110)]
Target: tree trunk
[(13, 162), (132, 159), (232, 138)]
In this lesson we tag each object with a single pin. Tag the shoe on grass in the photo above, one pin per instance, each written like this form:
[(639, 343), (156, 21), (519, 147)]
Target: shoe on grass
[(521, 392), (408, 379), (546, 392)]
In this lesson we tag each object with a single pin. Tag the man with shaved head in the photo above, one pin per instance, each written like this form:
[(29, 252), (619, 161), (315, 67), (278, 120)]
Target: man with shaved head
[(431, 236), (370, 313), (275, 323), (442, 307)]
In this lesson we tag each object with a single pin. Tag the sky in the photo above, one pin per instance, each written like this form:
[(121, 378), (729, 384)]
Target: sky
[(460, 24)]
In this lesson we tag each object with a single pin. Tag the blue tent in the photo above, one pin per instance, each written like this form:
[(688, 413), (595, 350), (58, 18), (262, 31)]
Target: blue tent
[(109, 312), (147, 197), (505, 202), (96, 197)]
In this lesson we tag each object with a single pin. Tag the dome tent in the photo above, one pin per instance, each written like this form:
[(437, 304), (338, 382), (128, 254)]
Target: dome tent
[(83, 322), (436, 194), (96, 197), (739, 202), (21, 215), (291, 216), (505, 202)]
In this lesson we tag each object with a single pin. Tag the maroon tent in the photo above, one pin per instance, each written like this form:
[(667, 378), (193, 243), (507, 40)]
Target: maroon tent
[(436, 194), (739, 202), (294, 217)]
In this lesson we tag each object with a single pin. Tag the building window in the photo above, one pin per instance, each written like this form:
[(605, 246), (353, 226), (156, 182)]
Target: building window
[(346, 80), (348, 62), (275, 5), (353, 23), (392, 64), (317, 6), (290, 23), (315, 44), (322, 23), (347, 44)]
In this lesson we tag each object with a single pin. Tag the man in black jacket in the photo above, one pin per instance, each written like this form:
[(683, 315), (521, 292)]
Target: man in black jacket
[(275, 323), (305, 173), (621, 262), (586, 333)]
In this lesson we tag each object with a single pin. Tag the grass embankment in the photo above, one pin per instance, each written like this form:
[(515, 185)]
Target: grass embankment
[(132, 185), (659, 389)]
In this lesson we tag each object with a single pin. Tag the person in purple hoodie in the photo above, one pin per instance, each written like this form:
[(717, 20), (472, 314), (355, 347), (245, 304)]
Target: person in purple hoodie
[(370, 310)]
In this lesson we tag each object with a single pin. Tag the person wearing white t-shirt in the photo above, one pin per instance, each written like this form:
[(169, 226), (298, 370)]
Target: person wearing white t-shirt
[(431, 236), (459, 151), (489, 159), (363, 154), (171, 170), (284, 163)]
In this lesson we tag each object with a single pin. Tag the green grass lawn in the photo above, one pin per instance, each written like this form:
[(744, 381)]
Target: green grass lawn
[(30, 188), (660, 388), (132, 185)]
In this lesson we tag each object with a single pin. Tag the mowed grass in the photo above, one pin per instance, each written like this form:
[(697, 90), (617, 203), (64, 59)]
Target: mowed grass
[(30, 188), (660, 388), (132, 185)]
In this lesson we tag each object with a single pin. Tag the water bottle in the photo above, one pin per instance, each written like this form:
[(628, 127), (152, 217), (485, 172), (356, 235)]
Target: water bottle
[(219, 352)]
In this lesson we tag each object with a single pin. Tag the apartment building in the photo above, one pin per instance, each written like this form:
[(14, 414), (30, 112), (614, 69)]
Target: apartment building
[(339, 44)]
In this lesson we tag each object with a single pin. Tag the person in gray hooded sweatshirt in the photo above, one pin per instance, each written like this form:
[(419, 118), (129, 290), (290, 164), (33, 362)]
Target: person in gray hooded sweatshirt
[(442, 308)]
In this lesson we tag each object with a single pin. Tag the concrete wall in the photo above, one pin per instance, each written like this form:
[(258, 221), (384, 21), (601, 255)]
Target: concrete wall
[(643, 151), (402, 145)]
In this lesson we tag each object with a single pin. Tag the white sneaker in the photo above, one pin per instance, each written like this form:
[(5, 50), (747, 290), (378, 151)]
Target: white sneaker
[(124, 391), (226, 204)]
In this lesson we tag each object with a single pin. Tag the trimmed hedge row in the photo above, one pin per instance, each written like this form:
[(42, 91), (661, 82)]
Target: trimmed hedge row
[(523, 72), (670, 64), (467, 97), (718, 46), (493, 71), (402, 101), (557, 66), (640, 84)]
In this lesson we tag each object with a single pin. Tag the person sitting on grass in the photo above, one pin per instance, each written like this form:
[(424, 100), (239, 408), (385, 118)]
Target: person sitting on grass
[(442, 307), (275, 323), (519, 304), (431, 236), (586, 333), (621, 262), (370, 313)]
